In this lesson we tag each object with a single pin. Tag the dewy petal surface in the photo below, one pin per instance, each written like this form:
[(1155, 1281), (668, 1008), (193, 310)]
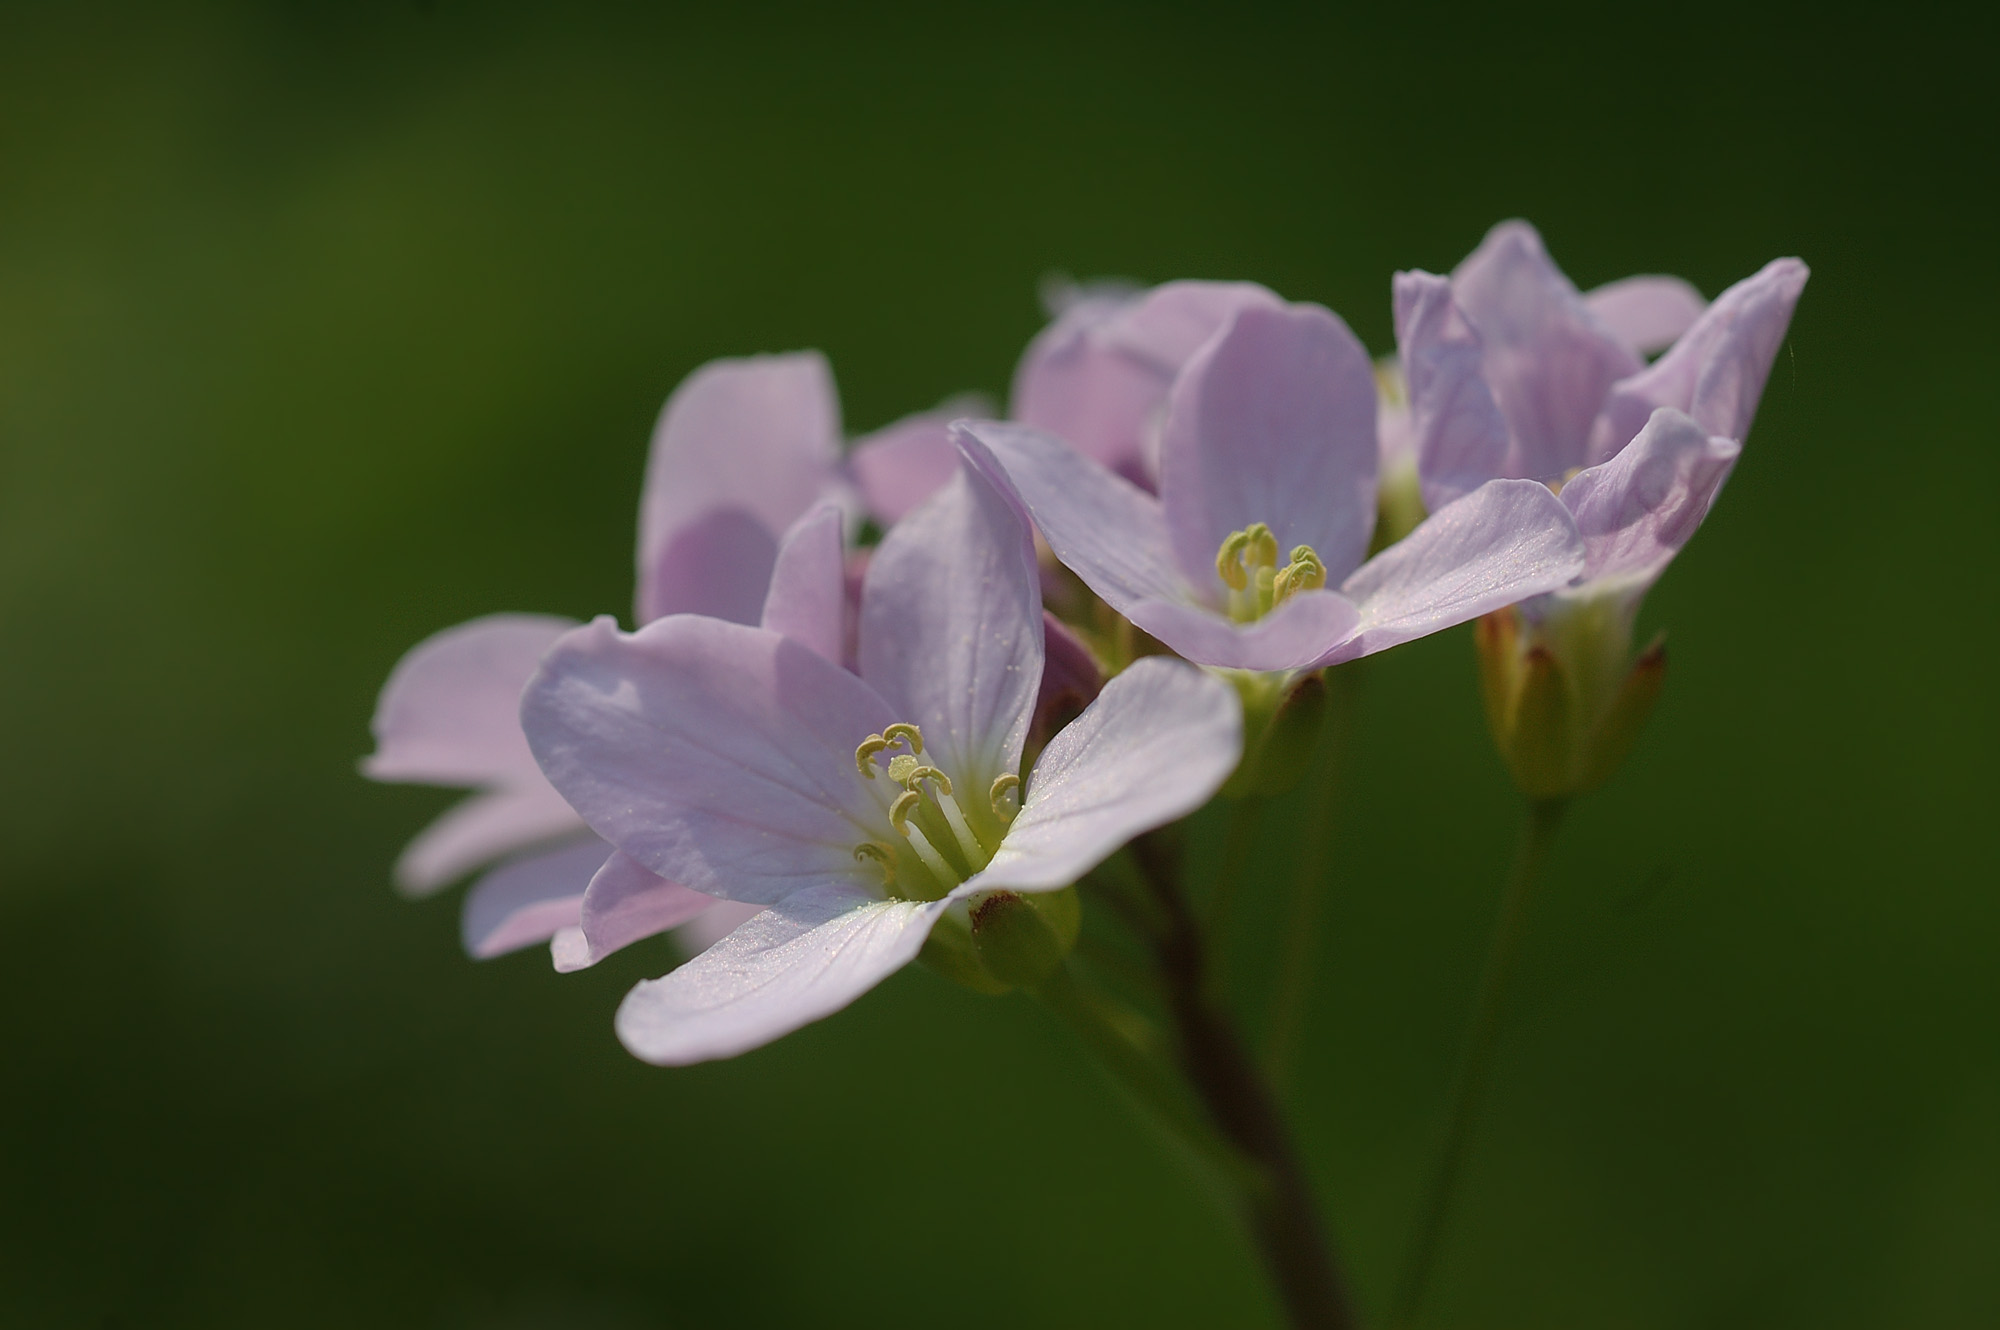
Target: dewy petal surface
[(1716, 372), (1461, 438), (450, 712), (951, 625), (529, 900), (1507, 540), (787, 967), (481, 829), (1637, 510), (807, 600), (718, 756), (1273, 421), (1548, 360), (624, 904), (759, 437), (1105, 529), (1155, 745), (1646, 312)]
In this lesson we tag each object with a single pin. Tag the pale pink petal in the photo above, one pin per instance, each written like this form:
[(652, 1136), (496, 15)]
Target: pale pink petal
[(1290, 637), (480, 830), (1717, 370), (529, 899), (1549, 362), (798, 961), (718, 564), (1071, 677), (759, 437), (624, 904), (1106, 530), (807, 601), (1638, 509), (899, 466), (1272, 421), (1461, 438), (1505, 541), (450, 713), (951, 625), (1646, 313), (715, 923), (1158, 742), (718, 756)]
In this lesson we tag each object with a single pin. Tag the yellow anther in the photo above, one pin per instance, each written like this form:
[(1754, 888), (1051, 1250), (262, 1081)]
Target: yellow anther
[(900, 767), (1229, 560), (931, 774), (1244, 553), (1304, 573), (1263, 551), (899, 812), (869, 851), (870, 746), (906, 732), (1005, 796)]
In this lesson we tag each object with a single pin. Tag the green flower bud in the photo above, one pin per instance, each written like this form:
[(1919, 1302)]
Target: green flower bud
[(1021, 937)]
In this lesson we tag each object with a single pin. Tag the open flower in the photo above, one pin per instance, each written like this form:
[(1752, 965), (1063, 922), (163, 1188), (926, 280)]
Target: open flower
[(870, 813), (1252, 556), (742, 450)]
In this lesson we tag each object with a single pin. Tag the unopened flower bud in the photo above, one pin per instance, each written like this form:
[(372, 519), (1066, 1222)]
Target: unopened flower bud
[(1565, 698), (1281, 724), (1021, 937)]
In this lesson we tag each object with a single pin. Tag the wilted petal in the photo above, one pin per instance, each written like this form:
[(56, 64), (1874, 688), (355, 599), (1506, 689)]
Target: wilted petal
[(759, 437), (1461, 439), (1549, 362), (624, 904), (1290, 637), (450, 713), (1717, 370), (1158, 742), (807, 601), (901, 465), (1646, 313), (529, 900), (796, 962), (718, 756), (1508, 540), (951, 624), (1637, 510), (1273, 421), (480, 830), (1106, 530)]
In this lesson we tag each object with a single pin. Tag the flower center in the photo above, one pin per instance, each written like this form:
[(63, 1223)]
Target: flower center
[(1248, 566), (936, 844)]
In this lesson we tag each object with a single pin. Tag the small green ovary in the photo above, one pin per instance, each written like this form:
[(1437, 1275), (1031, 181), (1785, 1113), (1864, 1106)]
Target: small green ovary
[(1247, 563)]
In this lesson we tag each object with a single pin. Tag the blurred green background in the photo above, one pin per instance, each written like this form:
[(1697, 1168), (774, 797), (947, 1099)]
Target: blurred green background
[(325, 326)]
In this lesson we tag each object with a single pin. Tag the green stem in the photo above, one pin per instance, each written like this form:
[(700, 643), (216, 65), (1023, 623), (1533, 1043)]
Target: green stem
[(1272, 1193), (1476, 1061)]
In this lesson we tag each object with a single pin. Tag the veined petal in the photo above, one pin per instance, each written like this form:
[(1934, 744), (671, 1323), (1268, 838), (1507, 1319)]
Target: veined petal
[(900, 465), (1155, 745), (758, 437), (481, 829), (623, 904), (807, 601), (951, 625), (1549, 362), (530, 899), (1717, 370), (1272, 421), (1106, 530), (1461, 439), (791, 965), (718, 756), (450, 713), (1647, 312), (1290, 637), (1505, 541), (1638, 509)]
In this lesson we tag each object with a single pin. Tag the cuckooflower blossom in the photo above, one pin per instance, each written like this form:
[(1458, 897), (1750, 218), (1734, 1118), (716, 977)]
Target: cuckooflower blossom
[(743, 448), (1253, 555), (875, 815)]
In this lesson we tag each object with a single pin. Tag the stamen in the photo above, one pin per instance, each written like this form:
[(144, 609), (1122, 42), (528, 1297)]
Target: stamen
[(903, 730), (1229, 560), (974, 851), (917, 773), (1304, 573), (1006, 796), (869, 851), (870, 746), (899, 812), (927, 852)]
